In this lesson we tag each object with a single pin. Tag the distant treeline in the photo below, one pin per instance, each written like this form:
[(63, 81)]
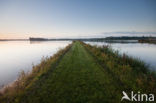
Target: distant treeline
[(143, 38), (129, 38), (66, 39), (38, 39), (95, 39)]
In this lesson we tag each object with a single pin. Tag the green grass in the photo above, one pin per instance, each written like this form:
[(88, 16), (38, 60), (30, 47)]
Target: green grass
[(133, 74), (83, 74)]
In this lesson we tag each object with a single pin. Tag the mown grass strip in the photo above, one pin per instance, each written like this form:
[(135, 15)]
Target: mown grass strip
[(10, 93), (84, 74), (116, 78), (133, 73), (77, 78)]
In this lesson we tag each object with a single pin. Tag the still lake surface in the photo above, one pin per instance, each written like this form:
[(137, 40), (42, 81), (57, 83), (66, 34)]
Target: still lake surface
[(16, 56)]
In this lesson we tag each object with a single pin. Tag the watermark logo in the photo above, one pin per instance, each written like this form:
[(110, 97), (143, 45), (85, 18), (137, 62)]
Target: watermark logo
[(137, 97), (125, 96)]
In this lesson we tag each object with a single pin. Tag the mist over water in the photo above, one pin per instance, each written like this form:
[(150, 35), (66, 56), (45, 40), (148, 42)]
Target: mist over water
[(20, 55), (16, 56)]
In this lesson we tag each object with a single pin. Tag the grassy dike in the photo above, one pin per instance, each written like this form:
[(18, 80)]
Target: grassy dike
[(81, 73)]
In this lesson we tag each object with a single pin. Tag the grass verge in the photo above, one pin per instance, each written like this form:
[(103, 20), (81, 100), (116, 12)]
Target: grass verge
[(131, 73), (82, 73), (9, 93)]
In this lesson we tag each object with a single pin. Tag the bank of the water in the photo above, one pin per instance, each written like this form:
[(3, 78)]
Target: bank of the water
[(142, 51), (16, 56), (82, 73)]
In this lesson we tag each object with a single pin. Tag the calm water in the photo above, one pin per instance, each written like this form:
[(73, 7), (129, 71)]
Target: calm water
[(16, 56), (145, 52), (20, 55)]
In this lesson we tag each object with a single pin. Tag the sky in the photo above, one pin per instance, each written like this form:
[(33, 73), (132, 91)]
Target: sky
[(75, 18)]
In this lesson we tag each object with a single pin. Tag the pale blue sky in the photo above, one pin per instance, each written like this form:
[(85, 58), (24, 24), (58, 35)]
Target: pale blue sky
[(69, 18)]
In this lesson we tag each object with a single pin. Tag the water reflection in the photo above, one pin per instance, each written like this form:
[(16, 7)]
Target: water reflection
[(145, 52), (20, 55)]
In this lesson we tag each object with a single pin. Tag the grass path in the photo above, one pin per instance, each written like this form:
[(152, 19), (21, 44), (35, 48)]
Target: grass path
[(78, 78), (81, 73)]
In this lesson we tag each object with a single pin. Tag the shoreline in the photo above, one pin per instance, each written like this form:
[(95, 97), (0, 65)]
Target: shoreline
[(77, 66)]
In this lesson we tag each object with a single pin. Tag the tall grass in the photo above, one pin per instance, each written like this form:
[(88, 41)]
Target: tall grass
[(106, 76), (130, 72), (25, 80)]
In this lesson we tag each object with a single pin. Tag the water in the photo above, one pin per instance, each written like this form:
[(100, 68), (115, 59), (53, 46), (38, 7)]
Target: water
[(145, 52), (16, 56)]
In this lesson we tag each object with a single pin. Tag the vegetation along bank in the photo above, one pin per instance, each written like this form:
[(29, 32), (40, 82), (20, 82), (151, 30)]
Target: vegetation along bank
[(81, 73)]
